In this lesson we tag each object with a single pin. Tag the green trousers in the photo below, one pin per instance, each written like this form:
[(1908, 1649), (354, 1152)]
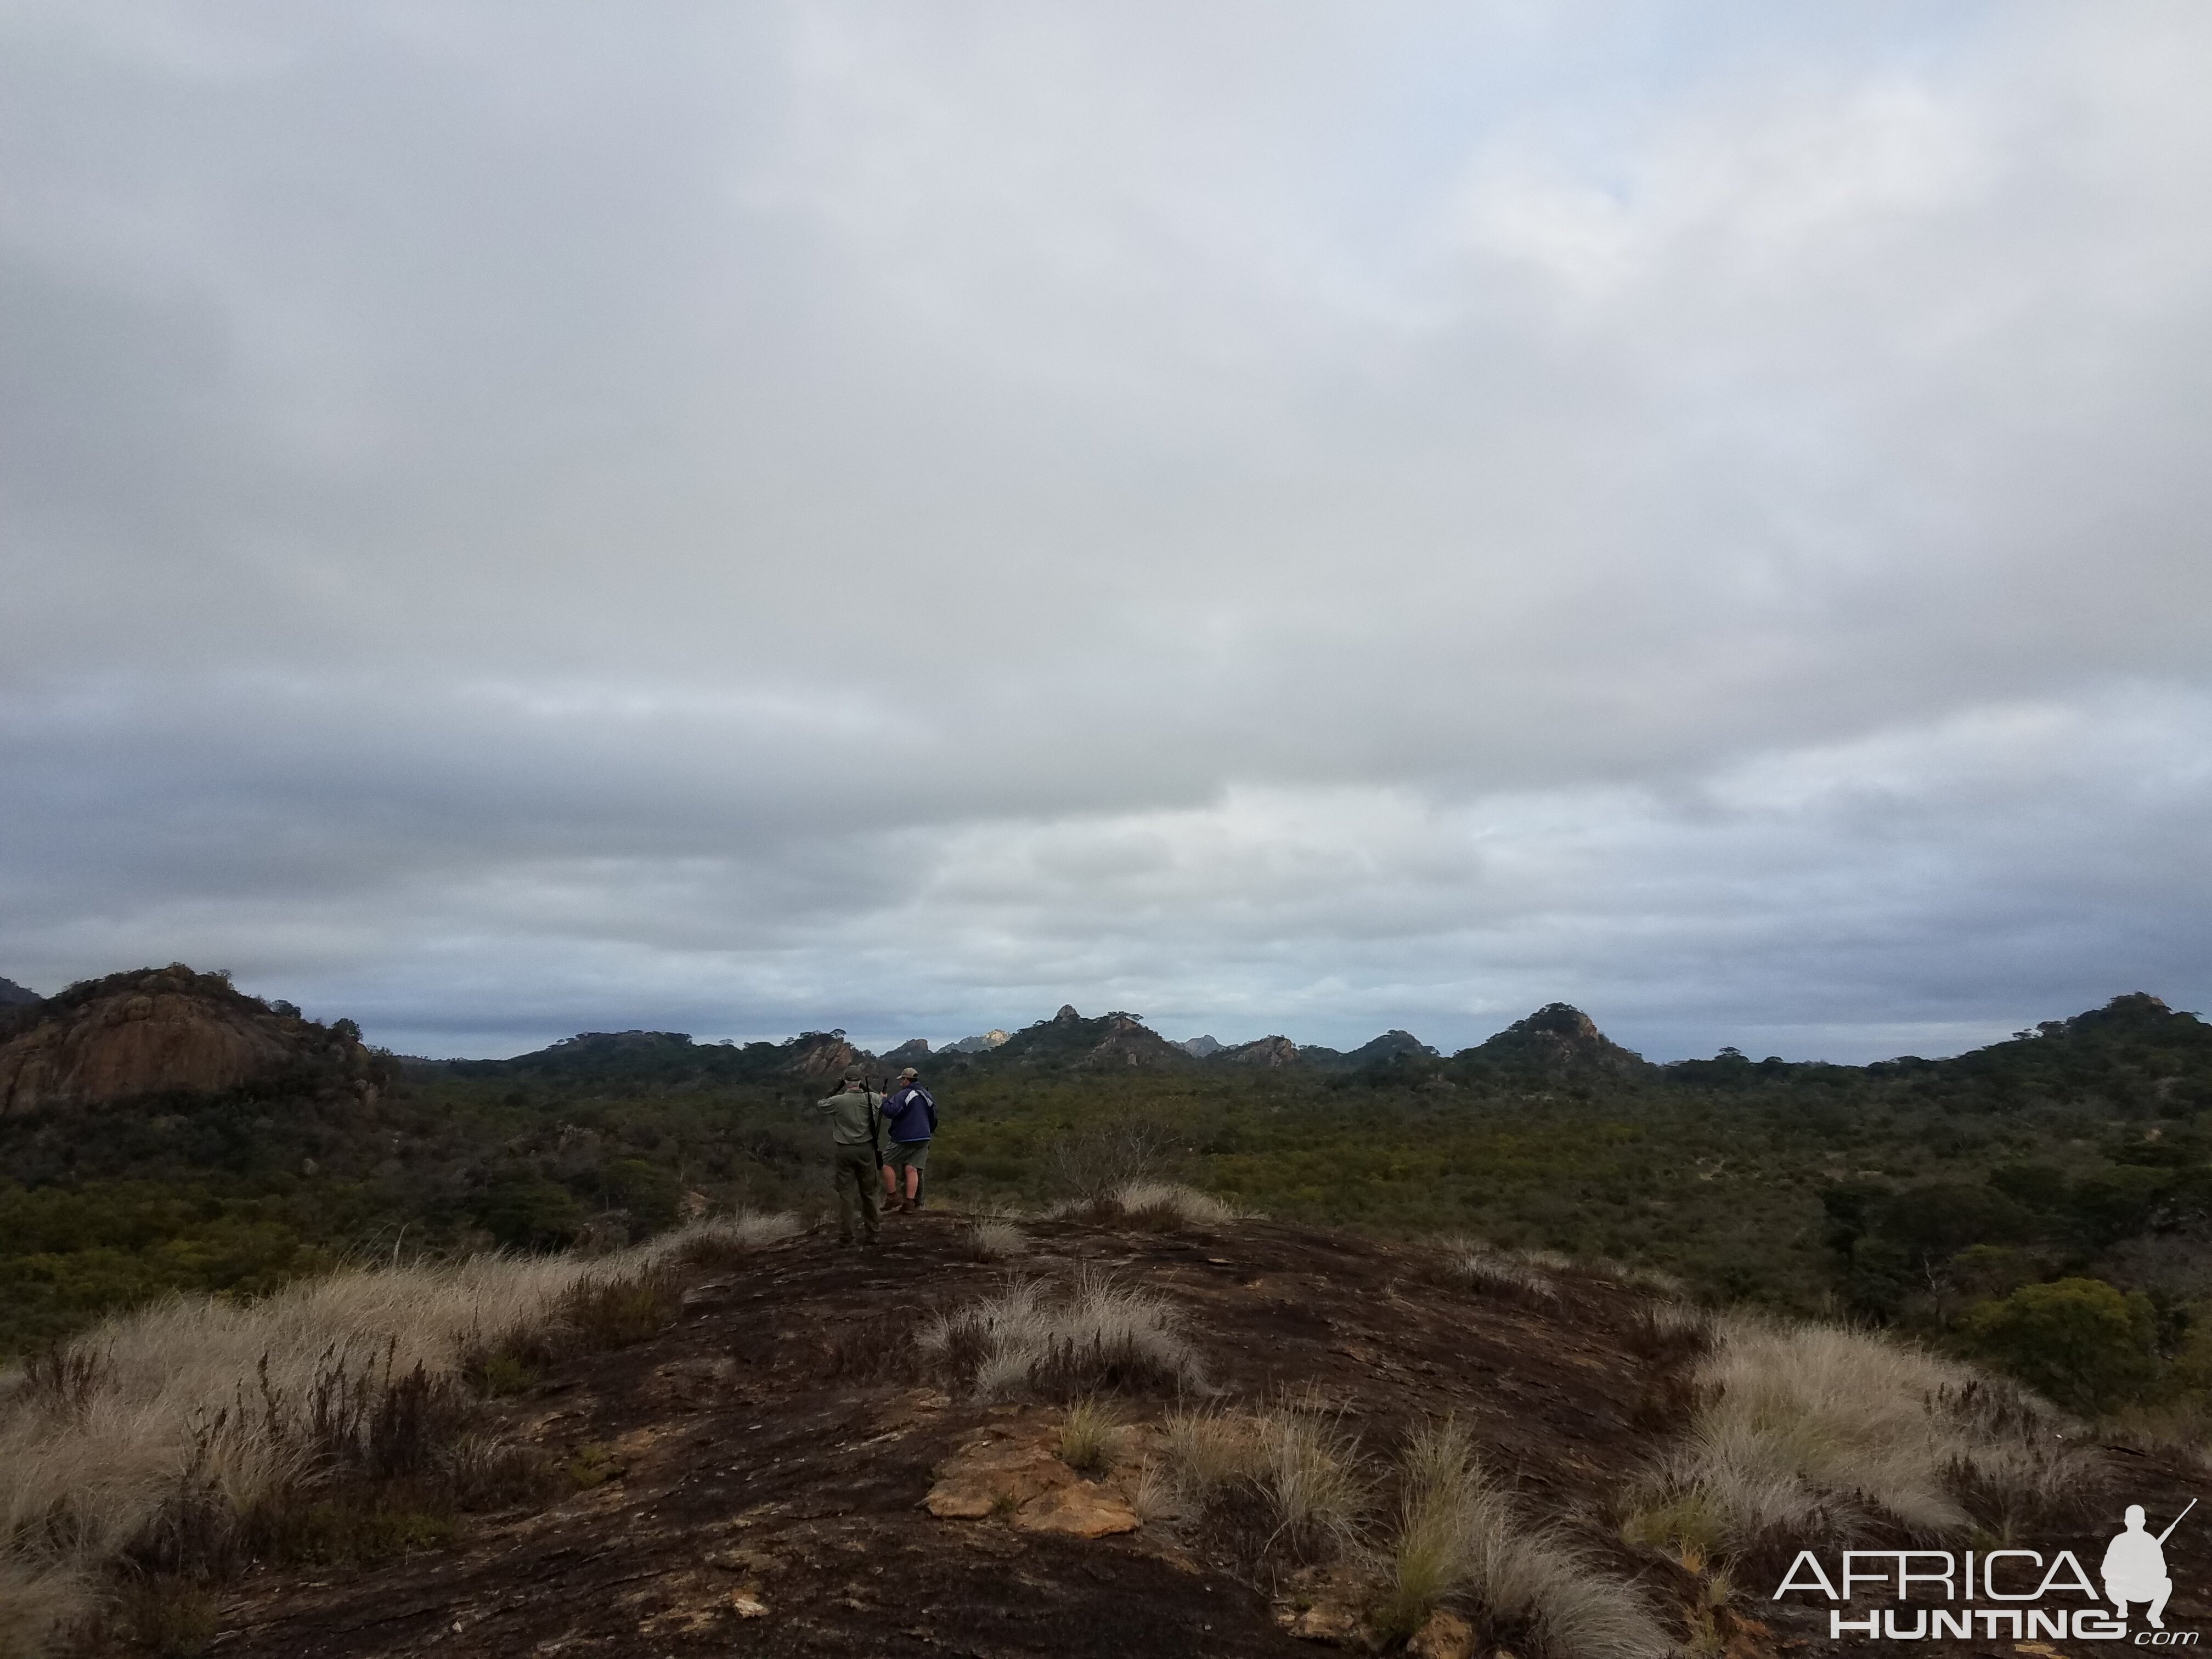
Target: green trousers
[(853, 1169)]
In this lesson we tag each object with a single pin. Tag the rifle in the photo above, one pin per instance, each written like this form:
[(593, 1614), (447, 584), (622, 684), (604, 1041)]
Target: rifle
[(2176, 1521), (875, 1119)]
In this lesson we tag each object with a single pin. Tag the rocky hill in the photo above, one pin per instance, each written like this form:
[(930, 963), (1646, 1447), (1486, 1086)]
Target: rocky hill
[(1558, 1039), (1113, 1041), (165, 1031), (14, 995)]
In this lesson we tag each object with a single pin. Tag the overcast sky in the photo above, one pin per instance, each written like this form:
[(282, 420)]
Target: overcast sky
[(525, 518)]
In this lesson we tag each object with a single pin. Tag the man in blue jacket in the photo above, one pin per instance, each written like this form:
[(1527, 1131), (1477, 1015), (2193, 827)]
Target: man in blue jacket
[(910, 1119)]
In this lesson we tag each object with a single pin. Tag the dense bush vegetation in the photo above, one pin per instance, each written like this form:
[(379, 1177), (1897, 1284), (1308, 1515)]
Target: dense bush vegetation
[(2048, 1195)]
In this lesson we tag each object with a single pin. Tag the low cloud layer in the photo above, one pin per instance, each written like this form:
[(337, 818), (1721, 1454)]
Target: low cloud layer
[(518, 519)]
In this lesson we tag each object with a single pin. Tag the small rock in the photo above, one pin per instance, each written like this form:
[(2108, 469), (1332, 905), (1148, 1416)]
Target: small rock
[(1446, 1636), (746, 1605), (1085, 1510), (1324, 1621)]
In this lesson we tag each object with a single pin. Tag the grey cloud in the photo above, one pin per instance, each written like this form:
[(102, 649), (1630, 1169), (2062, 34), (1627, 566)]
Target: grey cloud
[(831, 515)]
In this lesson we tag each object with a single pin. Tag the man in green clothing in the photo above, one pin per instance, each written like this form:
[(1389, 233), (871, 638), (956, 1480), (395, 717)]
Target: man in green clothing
[(853, 1113)]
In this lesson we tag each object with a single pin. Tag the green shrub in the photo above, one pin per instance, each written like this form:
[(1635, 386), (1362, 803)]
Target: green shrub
[(2080, 1341)]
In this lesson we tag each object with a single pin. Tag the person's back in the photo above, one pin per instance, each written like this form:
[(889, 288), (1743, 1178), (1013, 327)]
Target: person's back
[(853, 1113), (910, 1118)]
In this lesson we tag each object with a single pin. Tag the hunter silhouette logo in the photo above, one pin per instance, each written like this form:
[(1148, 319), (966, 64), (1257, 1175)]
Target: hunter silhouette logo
[(2017, 1595), (2135, 1567)]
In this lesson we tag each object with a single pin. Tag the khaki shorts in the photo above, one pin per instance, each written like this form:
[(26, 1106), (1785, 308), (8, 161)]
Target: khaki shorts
[(906, 1155)]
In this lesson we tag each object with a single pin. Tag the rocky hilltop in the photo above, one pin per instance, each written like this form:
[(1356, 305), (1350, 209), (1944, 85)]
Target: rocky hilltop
[(165, 1030), (14, 995)]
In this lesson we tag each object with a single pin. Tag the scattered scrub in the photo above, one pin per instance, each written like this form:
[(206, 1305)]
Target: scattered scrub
[(1813, 1432), (1459, 1535), (1097, 1335)]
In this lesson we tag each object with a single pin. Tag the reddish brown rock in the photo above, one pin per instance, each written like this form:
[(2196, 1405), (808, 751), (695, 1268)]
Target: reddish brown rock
[(1082, 1510), (161, 1030), (1445, 1636), (988, 1476)]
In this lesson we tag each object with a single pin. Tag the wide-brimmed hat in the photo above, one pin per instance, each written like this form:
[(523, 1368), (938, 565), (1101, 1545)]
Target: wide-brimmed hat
[(853, 1074)]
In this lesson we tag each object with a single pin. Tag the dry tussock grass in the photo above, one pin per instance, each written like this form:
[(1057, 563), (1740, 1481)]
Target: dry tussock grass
[(720, 1239), (1311, 1471), (1090, 1437), (1459, 1535), (995, 1239), (1207, 1449), (1526, 1276), (1095, 1335), (1807, 1432), (1171, 1204), (161, 1430)]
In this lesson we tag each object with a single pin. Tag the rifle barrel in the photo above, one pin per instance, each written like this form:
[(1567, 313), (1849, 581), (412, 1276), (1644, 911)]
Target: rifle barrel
[(2176, 1521)]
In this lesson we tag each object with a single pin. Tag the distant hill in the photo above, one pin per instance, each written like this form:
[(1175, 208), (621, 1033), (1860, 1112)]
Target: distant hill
[(165, 1030), (668, 1059), (1116, 1040), (12, 994), (1557, 1039)]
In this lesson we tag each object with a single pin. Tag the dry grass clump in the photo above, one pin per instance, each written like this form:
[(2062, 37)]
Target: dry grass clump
[(994, 1239), (325, 1421), (1206, 1449), (1166, 1205), (1090, 1437), (721, 1241), (1459, 1535), (1152, 1494), (39, 1599), (1309, 1469), (1808, 1432), (1513, 1274), (1295, 1458), (1633, 1276), (1095, 1335)]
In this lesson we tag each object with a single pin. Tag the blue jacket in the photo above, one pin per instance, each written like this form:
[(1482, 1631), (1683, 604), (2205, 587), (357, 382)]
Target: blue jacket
[(910, 1113)]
